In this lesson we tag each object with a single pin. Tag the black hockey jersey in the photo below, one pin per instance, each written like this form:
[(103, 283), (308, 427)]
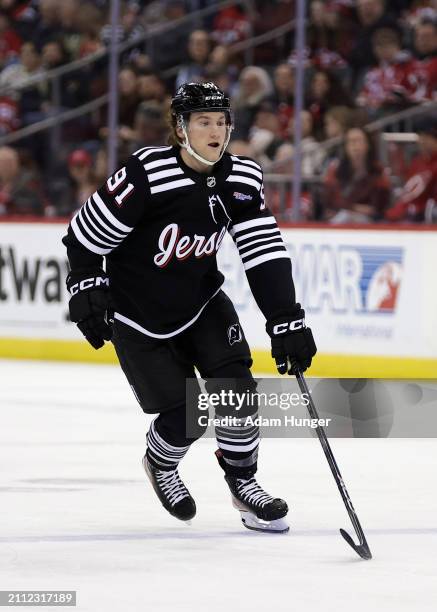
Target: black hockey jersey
[(159, 224)]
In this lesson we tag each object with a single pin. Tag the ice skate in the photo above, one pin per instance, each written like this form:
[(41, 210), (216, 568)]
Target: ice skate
[(259, 510), (171, 491)]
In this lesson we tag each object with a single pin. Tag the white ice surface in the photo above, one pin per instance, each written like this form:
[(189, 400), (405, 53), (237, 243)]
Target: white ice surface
[(77, 513)]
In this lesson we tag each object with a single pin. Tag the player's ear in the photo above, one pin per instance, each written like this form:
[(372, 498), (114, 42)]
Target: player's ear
[(179, 133)]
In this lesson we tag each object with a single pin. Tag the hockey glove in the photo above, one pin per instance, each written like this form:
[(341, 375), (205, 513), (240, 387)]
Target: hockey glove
[(292, 342), (90, 304)]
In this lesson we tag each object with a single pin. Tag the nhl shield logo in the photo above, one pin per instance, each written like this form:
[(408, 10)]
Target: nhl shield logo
[(210, 181), (234, 334)]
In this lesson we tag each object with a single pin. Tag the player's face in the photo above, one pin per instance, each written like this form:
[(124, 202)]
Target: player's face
[(207, 134)]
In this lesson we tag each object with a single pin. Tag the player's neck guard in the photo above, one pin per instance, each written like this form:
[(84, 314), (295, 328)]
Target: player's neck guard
[(187, 146)]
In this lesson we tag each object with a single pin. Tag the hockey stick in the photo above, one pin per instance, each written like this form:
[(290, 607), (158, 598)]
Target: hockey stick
[(362, 548)]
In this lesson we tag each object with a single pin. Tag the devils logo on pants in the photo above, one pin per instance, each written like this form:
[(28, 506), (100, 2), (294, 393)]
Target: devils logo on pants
[(235, 334)]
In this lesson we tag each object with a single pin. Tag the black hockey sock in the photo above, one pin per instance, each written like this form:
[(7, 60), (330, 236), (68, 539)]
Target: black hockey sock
[(162, 454), (238, 447)]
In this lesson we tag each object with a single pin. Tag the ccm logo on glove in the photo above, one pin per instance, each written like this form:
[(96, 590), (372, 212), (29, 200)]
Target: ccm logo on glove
[(292, 341), (88, 283), (90, 304), (289, 326)]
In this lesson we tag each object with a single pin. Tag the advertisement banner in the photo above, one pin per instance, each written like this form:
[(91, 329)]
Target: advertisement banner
[(33, 268), (366, 292)]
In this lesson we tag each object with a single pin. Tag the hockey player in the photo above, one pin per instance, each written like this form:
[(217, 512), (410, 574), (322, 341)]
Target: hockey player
[(159, 222)]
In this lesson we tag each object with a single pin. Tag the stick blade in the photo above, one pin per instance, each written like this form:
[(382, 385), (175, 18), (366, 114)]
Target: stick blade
[(362, 550)]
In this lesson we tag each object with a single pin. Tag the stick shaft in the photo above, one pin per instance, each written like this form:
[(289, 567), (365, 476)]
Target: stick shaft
[(331, 459)]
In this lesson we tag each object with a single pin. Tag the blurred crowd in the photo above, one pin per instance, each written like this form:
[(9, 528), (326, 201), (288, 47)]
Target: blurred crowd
[(364, 61)]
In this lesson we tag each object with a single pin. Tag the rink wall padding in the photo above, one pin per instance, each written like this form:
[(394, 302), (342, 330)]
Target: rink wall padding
[(324, 365), (370, 297)]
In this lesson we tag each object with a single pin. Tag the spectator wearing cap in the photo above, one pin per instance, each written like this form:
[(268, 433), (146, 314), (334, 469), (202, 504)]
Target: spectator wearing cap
[(20, 189), (355, 188), (420, 188), (80, 184)]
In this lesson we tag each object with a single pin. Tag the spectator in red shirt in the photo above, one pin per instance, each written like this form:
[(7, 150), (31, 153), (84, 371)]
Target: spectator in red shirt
[(355, 188), (397, 82), (425, 46), (231, 25), (420, 189), (10, 43)]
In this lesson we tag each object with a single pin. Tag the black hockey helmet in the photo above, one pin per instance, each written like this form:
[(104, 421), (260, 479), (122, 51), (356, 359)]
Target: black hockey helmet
[(197, 97)]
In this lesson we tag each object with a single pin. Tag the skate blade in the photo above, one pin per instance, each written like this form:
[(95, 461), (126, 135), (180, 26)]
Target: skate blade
[(250, 521)]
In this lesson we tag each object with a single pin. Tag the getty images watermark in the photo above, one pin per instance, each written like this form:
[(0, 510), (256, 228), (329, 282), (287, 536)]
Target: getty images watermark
[(240, 409), (359, 408)]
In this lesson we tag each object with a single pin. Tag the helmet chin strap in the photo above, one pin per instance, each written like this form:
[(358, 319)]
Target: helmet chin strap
[(187, 146)]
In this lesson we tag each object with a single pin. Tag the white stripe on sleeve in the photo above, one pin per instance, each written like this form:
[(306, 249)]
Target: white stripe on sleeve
[(248, 162), (263, 247), (86, 223), (238, 178), (239, 227), (111, 232), (108, 214), (171, 185), (155, 176), (267, 257), (258, 233), (247, 169), (160, 162), (86, 243)]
